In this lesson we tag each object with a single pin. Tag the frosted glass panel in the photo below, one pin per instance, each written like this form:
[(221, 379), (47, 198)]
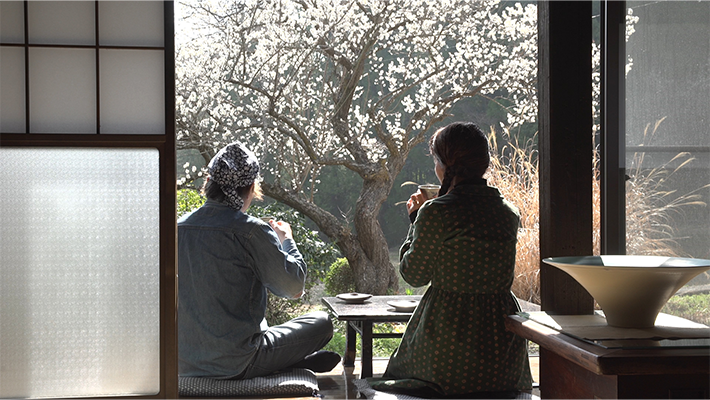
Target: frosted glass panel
[(12, 89), (132, 91), (12, 22), (79, 272), (62, 90), (61, 22), (131, 23)]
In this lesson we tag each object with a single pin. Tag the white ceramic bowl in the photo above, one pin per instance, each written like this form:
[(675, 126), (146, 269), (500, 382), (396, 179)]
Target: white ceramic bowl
[(631, 290)]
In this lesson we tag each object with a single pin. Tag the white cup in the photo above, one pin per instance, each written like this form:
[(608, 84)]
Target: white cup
[(429, 191)]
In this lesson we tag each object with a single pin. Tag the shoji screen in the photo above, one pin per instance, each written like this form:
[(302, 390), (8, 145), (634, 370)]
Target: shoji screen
[(87, 237), (82, 67)]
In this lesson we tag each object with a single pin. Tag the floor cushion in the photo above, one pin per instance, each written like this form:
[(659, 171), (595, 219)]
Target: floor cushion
[(297, 382)]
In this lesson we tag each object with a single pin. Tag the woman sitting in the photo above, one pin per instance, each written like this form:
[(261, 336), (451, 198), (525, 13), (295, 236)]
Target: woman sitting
[(463, 243)]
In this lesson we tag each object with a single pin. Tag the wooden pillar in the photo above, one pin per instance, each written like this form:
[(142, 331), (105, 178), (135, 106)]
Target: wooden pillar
[(613, 136), (565, 107)]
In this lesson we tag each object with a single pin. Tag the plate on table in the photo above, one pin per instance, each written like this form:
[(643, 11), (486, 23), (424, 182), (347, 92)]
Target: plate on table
[(354, 298), (404, 305)]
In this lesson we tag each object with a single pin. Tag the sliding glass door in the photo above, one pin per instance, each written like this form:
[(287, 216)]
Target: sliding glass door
[(87, 209)]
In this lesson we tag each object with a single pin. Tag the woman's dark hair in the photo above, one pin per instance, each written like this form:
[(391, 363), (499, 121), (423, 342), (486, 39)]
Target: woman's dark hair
[(213, 191), (462, 149)]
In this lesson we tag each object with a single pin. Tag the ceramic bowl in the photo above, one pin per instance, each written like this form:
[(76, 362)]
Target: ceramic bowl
[(631, 290), (354, 298)]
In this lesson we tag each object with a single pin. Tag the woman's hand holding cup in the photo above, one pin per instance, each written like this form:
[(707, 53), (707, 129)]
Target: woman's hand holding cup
[(415, 201), (425, 192)]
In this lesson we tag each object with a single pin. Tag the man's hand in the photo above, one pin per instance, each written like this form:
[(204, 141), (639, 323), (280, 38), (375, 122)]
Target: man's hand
[(283, 229)]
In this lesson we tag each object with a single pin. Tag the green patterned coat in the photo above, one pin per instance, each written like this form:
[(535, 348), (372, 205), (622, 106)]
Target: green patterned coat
[(463, 243)]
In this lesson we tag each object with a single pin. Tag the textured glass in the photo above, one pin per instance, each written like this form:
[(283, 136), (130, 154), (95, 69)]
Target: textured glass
[(12, 93), (12, 22), (62, 22), (132, 91), (667, 124), (62, 90), (131, 23), (79, 272)]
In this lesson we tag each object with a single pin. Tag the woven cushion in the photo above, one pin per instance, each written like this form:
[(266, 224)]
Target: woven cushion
[(298, 382)]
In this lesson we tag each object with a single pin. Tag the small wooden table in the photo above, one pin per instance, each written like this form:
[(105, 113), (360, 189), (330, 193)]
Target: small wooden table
[(574, 368), (359, 318)]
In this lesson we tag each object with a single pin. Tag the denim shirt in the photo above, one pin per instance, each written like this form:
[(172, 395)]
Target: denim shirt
[(226, 262)]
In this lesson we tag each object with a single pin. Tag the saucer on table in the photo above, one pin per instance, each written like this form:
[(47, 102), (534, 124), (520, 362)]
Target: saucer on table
[(354, 298), (404, 305)]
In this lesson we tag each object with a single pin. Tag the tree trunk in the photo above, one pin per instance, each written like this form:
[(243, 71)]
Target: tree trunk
[(371, 238), (366, 251)]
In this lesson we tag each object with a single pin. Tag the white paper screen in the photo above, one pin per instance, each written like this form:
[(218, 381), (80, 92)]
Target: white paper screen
[(12, 89), (132, 91), (12, 27), (134, 23), (62, 90), (61, 22)]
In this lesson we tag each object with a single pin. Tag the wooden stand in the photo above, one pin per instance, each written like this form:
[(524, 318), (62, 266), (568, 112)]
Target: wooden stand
[(572, 368)]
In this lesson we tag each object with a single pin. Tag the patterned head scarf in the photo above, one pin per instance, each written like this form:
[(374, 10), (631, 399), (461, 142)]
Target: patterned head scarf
[(233, 167)]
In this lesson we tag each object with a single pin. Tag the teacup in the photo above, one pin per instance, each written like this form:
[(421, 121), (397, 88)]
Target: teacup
[(429, 191)]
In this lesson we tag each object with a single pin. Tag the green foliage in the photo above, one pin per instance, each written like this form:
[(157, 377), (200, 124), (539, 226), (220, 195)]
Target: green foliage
[(385, 347), (339, 191), (338, 342), (188, 200), (694, 307), (382, 347), (280, 310), (339, 278)]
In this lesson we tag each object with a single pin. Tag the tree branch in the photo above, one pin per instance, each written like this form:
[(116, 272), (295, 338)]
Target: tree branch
[(337, 57)]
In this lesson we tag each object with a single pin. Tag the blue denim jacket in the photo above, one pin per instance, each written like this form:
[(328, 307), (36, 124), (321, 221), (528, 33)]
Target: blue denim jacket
[(226, 262)]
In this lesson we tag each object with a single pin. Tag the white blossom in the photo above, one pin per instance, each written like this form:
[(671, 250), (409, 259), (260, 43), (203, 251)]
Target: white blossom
[(277, 74)]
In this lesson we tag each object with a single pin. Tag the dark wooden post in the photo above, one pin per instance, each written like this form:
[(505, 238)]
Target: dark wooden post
[(565, 93), (613, 152)]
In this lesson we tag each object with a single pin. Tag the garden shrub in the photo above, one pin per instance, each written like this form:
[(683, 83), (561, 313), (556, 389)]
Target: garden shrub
[(188, 200), (339, 278)]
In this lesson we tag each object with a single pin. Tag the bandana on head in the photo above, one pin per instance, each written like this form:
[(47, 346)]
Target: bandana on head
[(233, 167)]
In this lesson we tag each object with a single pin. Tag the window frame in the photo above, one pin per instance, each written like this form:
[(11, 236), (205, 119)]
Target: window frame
[(565, 130), (612, 128)]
